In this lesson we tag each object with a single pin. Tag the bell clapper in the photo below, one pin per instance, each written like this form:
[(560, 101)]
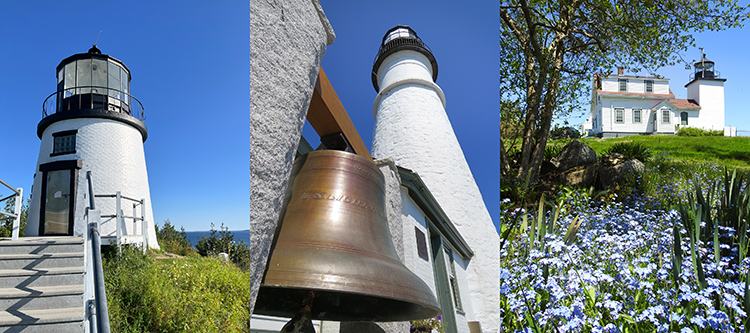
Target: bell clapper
[(302, 322)]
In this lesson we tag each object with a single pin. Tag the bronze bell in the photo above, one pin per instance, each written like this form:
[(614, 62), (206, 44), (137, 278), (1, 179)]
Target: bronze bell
[(334, 240)]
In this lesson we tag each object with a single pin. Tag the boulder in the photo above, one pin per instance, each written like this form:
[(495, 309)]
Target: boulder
[(614, 168), (574, 154), (580, 176)]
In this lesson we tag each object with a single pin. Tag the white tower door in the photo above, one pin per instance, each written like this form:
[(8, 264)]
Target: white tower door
[(57, 209)]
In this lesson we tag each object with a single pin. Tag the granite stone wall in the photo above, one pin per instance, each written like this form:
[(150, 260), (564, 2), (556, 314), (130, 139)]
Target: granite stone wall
[(287, 42)]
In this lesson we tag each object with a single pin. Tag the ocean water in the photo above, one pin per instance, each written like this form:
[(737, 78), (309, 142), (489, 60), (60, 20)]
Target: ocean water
[(194, 236)]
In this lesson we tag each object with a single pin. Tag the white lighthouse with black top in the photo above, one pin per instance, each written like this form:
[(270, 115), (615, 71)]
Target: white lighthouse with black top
[(92, 125), (412, 127)]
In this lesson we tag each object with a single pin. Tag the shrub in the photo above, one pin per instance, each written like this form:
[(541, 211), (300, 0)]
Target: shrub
[(223, 241), (172, 241), (692, 131), (174, 295), (630, 150)]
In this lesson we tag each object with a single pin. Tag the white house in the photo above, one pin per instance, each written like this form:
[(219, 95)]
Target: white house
[(623, 105)]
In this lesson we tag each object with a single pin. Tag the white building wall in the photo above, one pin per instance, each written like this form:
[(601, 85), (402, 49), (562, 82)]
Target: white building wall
[(414, 217), (609, 105), (413, 128), (113, 152), (635, 85)]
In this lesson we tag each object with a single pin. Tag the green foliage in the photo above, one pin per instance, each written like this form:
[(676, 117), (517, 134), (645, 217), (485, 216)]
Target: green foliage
[(692, 131), (427, 325), (631, 150), (6, 222), (551, 151), (175, 295), (223, 241), (172, 241)]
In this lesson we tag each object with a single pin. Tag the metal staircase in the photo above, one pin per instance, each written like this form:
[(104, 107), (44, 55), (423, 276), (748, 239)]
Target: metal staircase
[(42, 284)]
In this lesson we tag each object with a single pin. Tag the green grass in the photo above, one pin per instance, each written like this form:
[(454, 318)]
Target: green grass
[(732, 152), (197, 294)]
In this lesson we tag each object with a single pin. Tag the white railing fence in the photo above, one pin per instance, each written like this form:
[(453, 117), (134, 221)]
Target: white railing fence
[(16, 215)]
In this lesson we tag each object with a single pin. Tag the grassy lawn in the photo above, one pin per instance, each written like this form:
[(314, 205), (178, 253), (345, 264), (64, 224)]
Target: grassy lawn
[(733, 152)]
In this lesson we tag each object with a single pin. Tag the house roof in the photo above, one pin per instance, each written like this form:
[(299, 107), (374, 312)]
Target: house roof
[(632, 94), (685, 103)]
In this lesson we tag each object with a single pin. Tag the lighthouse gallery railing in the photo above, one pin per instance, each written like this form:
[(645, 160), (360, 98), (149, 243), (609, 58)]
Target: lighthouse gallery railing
[(93, 98)]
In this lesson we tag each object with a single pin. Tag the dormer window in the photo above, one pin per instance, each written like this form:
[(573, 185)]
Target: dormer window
[(623, 83), (649, 86)]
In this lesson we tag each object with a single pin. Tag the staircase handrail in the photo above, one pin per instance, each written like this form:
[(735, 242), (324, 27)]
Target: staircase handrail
[(16, 215), (100, 295)]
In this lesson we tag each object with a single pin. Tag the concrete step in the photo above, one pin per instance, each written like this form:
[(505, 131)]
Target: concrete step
[(40, 245), (50, 320), (55, 276), (38, 298), (44, 260)]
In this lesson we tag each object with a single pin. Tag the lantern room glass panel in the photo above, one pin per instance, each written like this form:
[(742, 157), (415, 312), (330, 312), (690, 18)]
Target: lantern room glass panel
[(98, 75), (83, 77), (70, 79), (114, 84)]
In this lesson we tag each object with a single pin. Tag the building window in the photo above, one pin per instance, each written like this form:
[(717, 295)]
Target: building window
[(683, 118), (636, 116), (665, 116), (623, 84), (619, 118), (64, 143), (453, 280), (649, 86), (421, 244)]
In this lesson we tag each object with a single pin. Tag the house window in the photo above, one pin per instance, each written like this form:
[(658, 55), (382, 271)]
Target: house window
[(649, 86), (636, 116), (623, 84), (683, 118), (453, 280), (421, 244), (665, 116), (619, 118), (64, 142)]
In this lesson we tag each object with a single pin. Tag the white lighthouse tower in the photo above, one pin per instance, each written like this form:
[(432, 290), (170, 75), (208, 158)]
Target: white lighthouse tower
[(707, 89), (412, 127), (91, 123)]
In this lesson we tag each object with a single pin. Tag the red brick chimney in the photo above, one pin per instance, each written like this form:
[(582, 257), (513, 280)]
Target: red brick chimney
[(620, 70)]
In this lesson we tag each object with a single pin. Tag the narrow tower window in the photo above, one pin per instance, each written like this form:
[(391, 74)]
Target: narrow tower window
[(64, 142), (683, 118), (453, 280)]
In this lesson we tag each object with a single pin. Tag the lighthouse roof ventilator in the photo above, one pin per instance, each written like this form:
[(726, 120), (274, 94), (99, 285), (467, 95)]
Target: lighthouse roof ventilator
[(92, 123), (412, 127)]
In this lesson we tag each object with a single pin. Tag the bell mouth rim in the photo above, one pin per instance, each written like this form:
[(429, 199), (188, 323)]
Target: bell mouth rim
[(391, 309)]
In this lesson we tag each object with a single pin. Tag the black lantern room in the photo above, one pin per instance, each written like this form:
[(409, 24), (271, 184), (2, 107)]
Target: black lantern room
[(398, 38), (704, 69), (92, 85)]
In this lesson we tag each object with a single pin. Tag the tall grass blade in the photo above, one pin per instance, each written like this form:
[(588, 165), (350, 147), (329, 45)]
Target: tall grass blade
[(677, 257)]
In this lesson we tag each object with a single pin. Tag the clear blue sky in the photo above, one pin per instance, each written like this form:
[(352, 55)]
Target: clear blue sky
[(189, 65), (463, 36)]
